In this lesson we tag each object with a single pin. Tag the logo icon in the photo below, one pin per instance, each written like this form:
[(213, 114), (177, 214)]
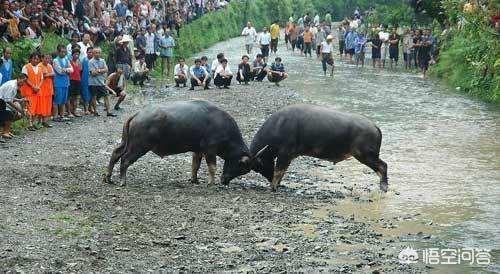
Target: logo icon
[(408, 256)]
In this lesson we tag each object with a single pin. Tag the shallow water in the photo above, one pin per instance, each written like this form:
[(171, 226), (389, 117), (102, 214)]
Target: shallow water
[(441, 148)]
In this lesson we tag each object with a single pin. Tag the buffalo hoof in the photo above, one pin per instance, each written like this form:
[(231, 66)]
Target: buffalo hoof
[(107, 179), (194, 181), (384, 187)]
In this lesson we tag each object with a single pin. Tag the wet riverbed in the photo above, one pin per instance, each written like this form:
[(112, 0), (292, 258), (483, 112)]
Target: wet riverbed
[(442, 149)]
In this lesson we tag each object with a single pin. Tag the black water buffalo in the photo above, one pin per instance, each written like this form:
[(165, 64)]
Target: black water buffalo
[(178, 127), (318, 132)]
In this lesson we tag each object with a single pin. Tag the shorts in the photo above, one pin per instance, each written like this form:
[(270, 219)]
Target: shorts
[(265, 50), (6, 115), (423, 62), (75, 88), (393, 53), (98, 91), (287, 38), (118, 91), (274, 43), (60, 95), (350, 51)]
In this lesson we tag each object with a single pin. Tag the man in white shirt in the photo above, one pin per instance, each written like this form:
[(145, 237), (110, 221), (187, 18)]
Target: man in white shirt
[(326, 51), (250, 37), (84, 44), (216, 63), (10, 107), (223, 75), (150, 46), (180, 73), (264, 41), (139, 71), (384, 48)]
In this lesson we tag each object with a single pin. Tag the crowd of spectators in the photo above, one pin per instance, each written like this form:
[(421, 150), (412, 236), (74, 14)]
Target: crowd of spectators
[(55, 86), (102, 19)]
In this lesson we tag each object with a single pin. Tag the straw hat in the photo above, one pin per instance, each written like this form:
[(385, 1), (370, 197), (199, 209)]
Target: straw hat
[(329, 37), (126, 38)]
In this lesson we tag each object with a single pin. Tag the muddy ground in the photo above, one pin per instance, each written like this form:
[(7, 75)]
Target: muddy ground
[(58, 216)]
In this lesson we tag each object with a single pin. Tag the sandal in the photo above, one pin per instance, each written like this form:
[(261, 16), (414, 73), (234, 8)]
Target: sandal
[(6, 135), (31, 128)]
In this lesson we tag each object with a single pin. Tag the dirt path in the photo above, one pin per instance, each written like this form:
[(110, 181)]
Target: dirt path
[(58, 216)]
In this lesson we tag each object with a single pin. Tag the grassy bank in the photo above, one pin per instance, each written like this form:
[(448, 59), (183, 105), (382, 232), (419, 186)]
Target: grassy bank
[(469, 52)]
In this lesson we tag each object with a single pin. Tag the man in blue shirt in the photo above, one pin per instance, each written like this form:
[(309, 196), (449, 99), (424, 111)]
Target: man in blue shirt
[(167, 43), (199, 75), (277, 72), (350, 42), (6, 66), (121, 9)]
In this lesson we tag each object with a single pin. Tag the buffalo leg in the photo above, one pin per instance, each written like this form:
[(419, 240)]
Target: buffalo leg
[(282, 164), (195, 166), (372, 160), (127, 160), (117, 154), (211, 160)]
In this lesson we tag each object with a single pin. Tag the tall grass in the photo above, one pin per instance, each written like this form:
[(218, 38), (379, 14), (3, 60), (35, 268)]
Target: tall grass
[(469, 58)]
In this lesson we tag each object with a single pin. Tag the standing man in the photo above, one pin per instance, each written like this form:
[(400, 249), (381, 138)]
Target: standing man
[(288, 28), (264, 41), (84, 44), (327, 54), (328, 19), (62, 69), (150, 47), (86, 95), (308, 39), (394, 47), (350, 43), (319, 39), (97, 81), (6, 66), (384, 48), (275, 35), (124, 56), (341, 37), (167, 44), (250, 37)]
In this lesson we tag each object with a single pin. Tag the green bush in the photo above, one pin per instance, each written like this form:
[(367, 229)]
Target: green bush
[(469, 53), (393, 15)]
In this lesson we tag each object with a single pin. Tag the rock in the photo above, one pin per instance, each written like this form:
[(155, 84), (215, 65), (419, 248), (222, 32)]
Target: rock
[(180, 237), (280, 248), (231, 249), (125, 249)]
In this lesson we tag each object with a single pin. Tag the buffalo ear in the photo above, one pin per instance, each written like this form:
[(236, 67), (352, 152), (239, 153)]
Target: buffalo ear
[(245, 160), (260, 152)]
